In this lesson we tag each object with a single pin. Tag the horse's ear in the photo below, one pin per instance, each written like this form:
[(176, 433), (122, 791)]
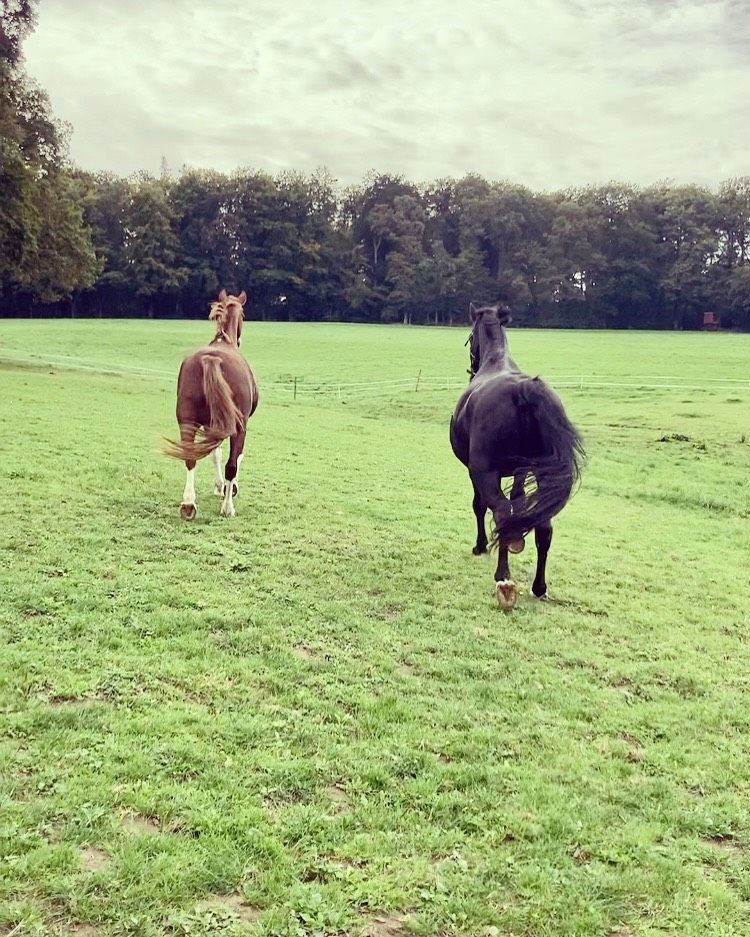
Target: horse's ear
[(223, 296), (242, 298), (473, 312)]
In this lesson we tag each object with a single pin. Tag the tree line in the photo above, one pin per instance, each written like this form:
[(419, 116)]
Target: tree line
[(75, 243)]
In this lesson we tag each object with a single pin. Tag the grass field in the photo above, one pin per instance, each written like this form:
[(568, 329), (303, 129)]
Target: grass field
[(313, 719)]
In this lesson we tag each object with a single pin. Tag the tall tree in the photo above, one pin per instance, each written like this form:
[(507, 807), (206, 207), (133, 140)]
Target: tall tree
[(688, 230), (199, 199), (151, 245), (45, 245)]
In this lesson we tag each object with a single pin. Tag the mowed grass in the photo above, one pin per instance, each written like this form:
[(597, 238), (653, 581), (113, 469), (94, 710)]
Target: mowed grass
[(313, 719)]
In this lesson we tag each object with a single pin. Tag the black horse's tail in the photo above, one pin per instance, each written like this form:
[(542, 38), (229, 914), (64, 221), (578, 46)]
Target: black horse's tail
[(555, 457)]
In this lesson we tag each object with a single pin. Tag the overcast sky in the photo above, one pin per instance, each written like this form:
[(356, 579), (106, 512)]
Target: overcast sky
[(545, 92)]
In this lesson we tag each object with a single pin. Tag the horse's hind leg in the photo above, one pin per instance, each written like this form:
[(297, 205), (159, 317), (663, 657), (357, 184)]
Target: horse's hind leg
[(236, 444), (506, 591), (480, 509), (218, 472), (487, 488), (517, 491), (236, 482), (543, 537), (188, 510)]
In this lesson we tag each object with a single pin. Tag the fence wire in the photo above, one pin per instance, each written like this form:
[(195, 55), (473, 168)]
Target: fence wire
[(300, 388)]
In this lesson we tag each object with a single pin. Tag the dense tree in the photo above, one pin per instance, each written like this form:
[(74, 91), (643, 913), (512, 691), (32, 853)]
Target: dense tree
[(45, 246), (616, 255), (731, 272), (77, 243), (16, 22), (151, 247), (199, 202), (59, 259), (687, 223)]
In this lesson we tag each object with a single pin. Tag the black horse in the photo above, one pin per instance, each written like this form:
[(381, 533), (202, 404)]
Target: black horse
[(509, 425)]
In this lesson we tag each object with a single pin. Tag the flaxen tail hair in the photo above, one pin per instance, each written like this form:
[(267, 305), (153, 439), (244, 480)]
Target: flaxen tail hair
[(226, 418)]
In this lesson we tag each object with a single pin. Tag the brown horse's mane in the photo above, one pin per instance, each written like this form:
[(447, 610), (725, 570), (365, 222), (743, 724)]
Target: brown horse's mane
[(221, 313)]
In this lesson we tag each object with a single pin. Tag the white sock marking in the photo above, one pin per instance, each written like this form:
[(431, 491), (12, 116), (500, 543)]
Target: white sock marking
[(188, 495)]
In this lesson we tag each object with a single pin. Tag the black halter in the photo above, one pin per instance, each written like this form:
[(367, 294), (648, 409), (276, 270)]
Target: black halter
[(473, 358)]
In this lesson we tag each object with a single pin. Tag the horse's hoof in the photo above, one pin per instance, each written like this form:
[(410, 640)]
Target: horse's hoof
[(516, 546), (219, 490), (478, 551), (540, 598), (506, 592), (188, 511), (228, 512)]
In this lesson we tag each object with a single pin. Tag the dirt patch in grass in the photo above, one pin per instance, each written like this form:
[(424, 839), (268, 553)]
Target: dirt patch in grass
[(725, 843), (386, 925), (135, 823), (180, 827), (346, 862), (635, 752), (305, 652), (339, 798), (623, 685), (82, 930), (69, 701), (93, 859), (232, 904)]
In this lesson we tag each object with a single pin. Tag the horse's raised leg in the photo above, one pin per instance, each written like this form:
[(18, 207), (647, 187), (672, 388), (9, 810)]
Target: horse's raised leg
[(480, 509), (543, 537), (236, 482), (218, 472), (236, 444), (517, 492), (487, 487), (188, 510), (506, 591)]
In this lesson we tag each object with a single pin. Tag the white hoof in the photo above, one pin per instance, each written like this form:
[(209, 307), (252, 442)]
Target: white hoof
[(506, 593), (228, 511)]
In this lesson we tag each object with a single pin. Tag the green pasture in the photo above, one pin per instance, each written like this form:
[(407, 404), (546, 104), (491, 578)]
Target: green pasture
[(313, 719)]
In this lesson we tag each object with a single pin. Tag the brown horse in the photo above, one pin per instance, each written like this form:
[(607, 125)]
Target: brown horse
[(216, 396)]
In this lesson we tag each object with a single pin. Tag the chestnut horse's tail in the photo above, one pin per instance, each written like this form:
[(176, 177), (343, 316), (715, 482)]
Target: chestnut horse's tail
[(556, 464), (226, 418)]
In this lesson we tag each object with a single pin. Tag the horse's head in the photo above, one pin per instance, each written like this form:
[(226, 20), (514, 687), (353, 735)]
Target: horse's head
[(486, 322), (228, 313)]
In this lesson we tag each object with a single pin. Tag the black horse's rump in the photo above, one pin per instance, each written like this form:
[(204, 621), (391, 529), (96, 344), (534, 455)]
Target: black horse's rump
[(509, 425), (554, 456)]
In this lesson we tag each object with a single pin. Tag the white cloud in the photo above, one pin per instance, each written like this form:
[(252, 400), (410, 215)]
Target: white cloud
[(545, 92)]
